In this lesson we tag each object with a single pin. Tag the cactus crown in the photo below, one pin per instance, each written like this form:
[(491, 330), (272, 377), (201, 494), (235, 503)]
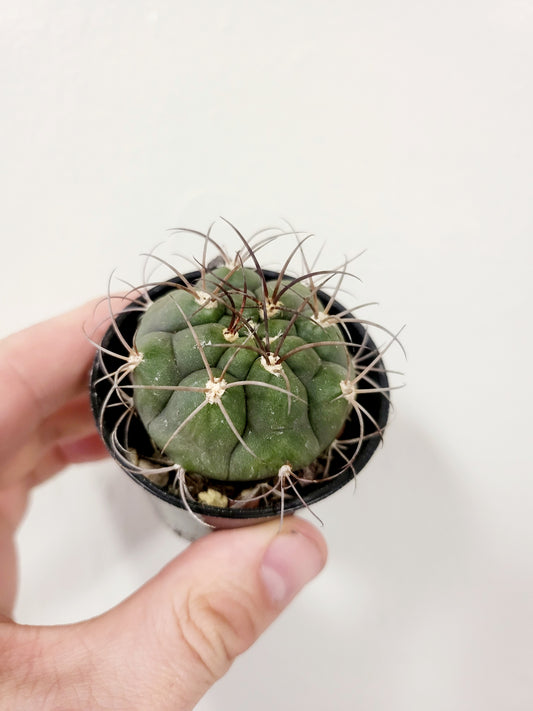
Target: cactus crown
[(242, 376)]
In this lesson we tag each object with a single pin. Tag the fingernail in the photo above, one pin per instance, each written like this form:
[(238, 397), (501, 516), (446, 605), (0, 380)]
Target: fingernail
[(290, 561)]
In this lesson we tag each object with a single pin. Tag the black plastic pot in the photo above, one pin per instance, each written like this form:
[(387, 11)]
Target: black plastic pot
[(170, 506)]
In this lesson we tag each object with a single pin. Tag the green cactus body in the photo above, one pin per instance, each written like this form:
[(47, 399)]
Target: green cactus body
[(232, 395)]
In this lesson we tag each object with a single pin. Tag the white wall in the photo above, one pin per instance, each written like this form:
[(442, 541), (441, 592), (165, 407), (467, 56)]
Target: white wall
[(403, 128)]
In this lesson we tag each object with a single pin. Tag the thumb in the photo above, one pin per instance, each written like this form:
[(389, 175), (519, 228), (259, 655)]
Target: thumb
[(163, 647)]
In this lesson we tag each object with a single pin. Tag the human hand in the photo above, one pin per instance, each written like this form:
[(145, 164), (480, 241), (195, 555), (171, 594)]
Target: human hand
[(163, 647)]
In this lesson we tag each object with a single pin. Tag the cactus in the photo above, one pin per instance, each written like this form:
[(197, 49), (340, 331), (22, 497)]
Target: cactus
[(242, 376)]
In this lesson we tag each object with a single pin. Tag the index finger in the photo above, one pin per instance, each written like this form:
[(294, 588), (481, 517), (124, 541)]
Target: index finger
[(43, 367)]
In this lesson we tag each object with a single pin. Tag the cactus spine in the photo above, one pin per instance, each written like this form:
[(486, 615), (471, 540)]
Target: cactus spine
[(243, 379)]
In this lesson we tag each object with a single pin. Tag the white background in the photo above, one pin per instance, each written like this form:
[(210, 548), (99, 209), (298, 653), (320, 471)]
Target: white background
[(399, 127)]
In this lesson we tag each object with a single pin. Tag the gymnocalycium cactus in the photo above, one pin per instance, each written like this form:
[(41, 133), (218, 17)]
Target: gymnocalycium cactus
[(242, 376)]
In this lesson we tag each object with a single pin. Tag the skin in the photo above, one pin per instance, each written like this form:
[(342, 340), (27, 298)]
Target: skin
[(164, 646)]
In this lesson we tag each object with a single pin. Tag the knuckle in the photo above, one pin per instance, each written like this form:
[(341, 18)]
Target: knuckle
[(217, 627)]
